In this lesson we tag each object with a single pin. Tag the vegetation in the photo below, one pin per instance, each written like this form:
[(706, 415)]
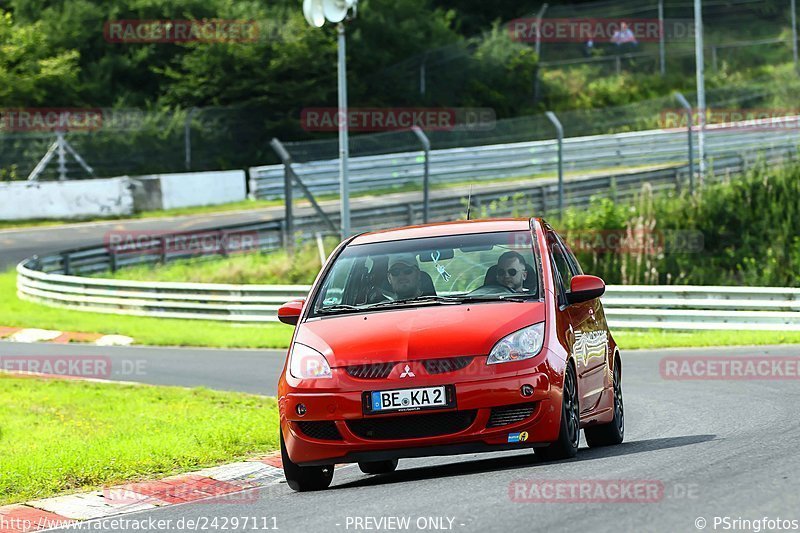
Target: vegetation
[(742, 232), (55, 54), (274, 268), (66, 435)]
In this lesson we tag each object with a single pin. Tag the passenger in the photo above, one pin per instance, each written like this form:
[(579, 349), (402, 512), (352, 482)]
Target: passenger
[(511, 271)]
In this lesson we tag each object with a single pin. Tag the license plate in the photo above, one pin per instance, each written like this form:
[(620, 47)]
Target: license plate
[(409, 399)]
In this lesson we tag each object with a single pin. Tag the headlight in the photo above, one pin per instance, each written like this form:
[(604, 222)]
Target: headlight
[(307, 363), (522, 344)]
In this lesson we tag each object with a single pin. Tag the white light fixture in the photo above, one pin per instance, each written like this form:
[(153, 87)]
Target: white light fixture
[(336, 11)]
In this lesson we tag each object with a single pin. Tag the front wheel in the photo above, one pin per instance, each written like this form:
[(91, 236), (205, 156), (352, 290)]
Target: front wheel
[(305, 478), (378, 467), (613, 432), (569, 433)]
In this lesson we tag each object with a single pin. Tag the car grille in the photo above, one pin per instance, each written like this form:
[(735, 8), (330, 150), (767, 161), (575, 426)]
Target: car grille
[(433, 366), (440, 366), (373, 371), (412, 426), (510, 414), (324, 430)]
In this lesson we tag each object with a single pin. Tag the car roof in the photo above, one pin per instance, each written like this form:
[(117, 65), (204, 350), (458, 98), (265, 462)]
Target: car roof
[(440, 229)]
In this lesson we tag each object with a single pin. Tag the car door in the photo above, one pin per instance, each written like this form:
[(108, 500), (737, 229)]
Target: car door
[(589, 346)]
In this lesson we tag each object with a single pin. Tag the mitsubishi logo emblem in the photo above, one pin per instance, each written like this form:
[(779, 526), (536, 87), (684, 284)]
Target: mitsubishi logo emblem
[(407, 373)]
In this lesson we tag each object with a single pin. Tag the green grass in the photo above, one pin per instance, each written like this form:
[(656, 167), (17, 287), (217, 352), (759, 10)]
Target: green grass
[(629, 339), (62, 435), (144, 330), (273, 268)]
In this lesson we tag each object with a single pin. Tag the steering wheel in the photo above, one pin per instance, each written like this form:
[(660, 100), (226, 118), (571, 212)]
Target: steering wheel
[(491, 289)]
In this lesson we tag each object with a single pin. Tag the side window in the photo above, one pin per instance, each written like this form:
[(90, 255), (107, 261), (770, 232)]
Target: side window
[(560, 262), (576, 267)]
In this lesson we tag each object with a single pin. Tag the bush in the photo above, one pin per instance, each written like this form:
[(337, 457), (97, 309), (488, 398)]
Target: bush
[(749, 229)]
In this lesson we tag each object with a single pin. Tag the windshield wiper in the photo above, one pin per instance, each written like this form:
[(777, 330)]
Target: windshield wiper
[(416, 299), (499, 298), (339, 307)]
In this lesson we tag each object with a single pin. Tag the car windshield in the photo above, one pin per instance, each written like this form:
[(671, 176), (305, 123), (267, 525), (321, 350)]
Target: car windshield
[(429, 271)]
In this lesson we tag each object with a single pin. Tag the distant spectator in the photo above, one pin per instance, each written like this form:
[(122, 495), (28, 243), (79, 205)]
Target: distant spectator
[(624, 39), (588, 48)]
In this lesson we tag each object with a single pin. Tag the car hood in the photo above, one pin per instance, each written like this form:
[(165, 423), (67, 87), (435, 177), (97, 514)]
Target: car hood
[(416, 333)]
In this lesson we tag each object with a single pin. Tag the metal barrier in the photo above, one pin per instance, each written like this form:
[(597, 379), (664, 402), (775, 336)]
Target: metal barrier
[(658, 307), (540, 198), (486, 163)]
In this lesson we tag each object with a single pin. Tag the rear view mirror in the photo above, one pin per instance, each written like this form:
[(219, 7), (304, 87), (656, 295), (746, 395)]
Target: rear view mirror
[(584, 288), (289, 313), (436, 255)]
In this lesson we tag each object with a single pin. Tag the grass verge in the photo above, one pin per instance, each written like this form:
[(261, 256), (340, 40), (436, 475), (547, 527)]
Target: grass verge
[(62, 435), (144, 330), (629, 339)]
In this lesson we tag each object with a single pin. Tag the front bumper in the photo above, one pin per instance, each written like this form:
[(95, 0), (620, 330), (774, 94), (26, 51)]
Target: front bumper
[(478, 397)]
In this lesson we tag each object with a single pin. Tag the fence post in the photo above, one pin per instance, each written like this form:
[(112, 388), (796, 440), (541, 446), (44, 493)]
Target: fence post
[(65, 261), (288, 200), (560, 133), (689, 121), (62, 157), (187, 135), (661, 47), (794, 33), (426, 147)]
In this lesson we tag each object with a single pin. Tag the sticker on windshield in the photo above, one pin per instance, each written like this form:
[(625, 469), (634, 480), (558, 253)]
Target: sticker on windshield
[(440, 267)]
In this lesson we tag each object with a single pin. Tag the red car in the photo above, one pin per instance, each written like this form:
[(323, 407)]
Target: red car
[(445, 339)]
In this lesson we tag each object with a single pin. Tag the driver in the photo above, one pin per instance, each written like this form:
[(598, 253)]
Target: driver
[(511, 271), (404, 276)]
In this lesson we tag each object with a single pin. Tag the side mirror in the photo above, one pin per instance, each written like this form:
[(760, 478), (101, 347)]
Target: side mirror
[(584, 288), (289, 313)]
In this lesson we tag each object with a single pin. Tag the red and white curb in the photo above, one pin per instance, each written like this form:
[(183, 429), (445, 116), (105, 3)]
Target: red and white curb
[(61, 337), (235, 483)]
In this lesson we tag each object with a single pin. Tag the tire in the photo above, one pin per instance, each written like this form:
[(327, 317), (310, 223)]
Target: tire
[(378, 467), (569, 433), (305, 478), (613, 432)]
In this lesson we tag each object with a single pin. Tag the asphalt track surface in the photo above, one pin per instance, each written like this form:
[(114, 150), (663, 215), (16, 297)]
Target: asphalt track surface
[(725, 449), (717, 448)]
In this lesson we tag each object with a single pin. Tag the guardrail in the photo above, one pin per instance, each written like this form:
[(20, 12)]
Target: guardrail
[(485, 163), (540, 197), (640, 306)]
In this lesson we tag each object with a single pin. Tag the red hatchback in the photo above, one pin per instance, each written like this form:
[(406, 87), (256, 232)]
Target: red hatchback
[(444, 339)]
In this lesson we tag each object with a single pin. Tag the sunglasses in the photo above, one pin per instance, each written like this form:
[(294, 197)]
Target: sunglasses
[(511, 272), (401, 271)]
